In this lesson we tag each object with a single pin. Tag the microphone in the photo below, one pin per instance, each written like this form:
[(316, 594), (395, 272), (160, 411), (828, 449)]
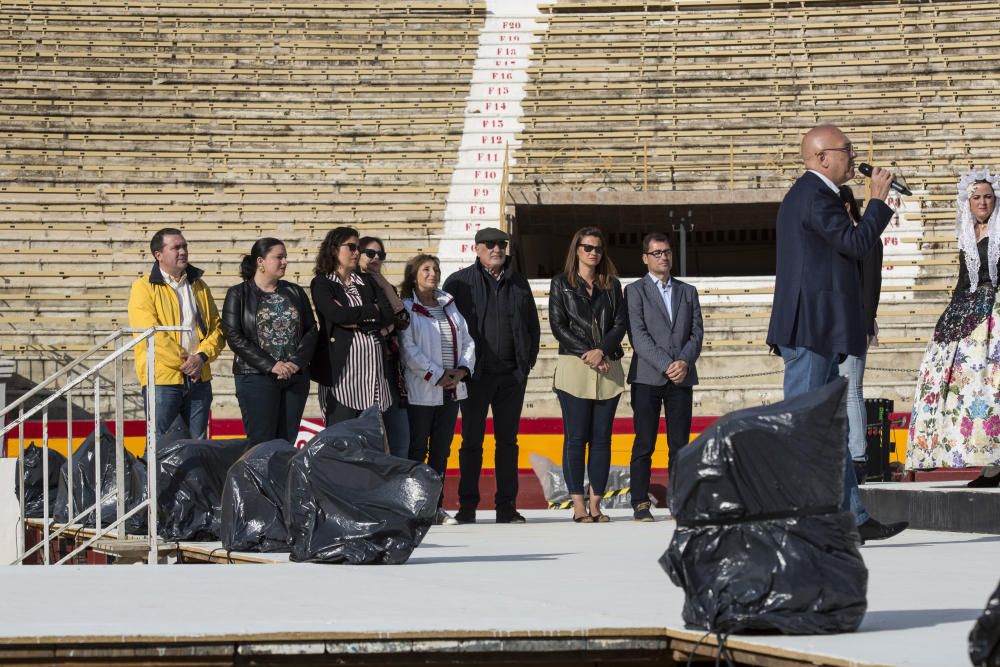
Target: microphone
[(866, 170)]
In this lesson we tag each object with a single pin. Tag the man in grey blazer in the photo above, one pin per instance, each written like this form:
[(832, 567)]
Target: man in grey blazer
[(666, 331)]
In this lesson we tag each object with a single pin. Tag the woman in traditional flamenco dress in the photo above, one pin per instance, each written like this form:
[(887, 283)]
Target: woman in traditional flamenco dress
[(956, 412)]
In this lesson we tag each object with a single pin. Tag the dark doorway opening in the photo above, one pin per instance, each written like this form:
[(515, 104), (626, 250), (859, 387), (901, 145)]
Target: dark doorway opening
[(720, 239)]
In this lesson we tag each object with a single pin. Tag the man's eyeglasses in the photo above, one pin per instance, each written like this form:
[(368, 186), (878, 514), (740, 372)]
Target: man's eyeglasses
[(660, 253), (599, 249), (848, 150), (495, 244), (353, 247), (372, 254)]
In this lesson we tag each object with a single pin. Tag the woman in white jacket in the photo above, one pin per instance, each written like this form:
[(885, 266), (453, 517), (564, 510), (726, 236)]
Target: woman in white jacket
[(438, 354)]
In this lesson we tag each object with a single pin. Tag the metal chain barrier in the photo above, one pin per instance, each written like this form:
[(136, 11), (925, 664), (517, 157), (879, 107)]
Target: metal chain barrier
[(893, 370), (736, 377)]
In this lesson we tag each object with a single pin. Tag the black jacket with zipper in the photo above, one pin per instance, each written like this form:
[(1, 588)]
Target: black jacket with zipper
[(573, 314), (239, 324), (471, 290)]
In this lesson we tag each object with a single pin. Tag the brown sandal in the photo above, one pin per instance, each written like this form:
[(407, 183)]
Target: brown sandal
[(586, 518), (602, 518)]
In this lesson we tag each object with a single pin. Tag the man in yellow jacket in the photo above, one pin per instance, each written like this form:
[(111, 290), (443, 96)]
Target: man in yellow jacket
[(173, 294)]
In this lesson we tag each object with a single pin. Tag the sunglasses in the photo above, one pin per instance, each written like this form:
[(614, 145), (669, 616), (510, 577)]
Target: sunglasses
[(599, 249), (372, 254), (495, 244), (353, 247)]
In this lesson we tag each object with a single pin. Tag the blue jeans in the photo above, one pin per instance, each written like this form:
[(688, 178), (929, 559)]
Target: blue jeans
[(586, 422), (397, 426), (853, 368), (191, 400), (806, 370)]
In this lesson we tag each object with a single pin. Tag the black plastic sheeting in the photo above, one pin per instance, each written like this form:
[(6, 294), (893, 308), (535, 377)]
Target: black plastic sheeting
[(178, 431), (189, 482), (253, 512), (84, 483), (350, 502), (984, 640), (761, 543), (34, 481)]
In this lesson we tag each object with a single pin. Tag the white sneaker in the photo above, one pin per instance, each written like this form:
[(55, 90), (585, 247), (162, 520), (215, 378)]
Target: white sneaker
[(445, 519)]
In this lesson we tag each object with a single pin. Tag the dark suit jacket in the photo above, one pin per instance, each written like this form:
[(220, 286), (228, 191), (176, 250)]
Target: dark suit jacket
[(817, 286), (657, 340)]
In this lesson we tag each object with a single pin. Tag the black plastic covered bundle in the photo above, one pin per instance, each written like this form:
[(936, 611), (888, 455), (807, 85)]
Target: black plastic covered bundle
[(84, 483), (189, 482), (349, 501), (984, 640), (761, 542), (253, 512), (34, 481)]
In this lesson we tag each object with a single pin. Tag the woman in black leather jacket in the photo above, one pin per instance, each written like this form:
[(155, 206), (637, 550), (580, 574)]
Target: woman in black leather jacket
[(269, 324), (588, 317)]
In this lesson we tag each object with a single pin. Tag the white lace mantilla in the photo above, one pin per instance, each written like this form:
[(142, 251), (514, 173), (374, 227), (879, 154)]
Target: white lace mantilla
[(965, 227)]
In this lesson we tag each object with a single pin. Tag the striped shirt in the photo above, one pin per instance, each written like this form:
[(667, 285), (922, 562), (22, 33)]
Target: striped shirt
[(362, 383), (447, 336)]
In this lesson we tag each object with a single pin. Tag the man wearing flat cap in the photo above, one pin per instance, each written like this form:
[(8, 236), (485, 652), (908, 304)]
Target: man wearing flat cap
[(498, 306)]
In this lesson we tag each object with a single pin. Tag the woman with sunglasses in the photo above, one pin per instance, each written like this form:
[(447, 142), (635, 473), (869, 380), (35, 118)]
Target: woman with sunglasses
[(397, 427), (269, 325), (349, 363), (588, 317)]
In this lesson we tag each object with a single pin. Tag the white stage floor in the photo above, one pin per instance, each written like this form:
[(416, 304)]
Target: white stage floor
[(547, 578)]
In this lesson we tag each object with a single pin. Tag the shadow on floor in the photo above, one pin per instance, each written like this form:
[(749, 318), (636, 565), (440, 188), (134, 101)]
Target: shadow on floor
[(899, 545), (910, 619), (510, 558)]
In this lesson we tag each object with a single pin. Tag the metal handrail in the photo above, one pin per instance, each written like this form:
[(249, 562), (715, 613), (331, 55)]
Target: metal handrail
[(52, 378), (66, 526), (63, 371), (146, 336), (120, 521)]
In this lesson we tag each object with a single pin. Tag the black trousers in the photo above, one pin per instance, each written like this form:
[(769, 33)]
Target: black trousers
[(647, 401), (334, 412), (271, 408), (432, 428), (504, 393)]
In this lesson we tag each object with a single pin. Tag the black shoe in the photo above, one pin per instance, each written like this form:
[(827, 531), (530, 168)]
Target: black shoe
[(989, 478), (466, 514), (642, 513), (873, 530), (861, 471), (509, 514)]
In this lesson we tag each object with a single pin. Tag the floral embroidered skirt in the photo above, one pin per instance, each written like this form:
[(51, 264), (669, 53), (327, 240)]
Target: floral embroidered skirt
[(956, 412)]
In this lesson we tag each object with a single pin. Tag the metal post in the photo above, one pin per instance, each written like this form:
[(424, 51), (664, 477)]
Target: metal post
[(682, 230), (97, 451), (20, 471), (120, 438), (151, 446), (45, 484)]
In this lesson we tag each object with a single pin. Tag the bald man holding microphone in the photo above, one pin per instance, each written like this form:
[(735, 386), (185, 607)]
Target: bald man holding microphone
[(817, 314)]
